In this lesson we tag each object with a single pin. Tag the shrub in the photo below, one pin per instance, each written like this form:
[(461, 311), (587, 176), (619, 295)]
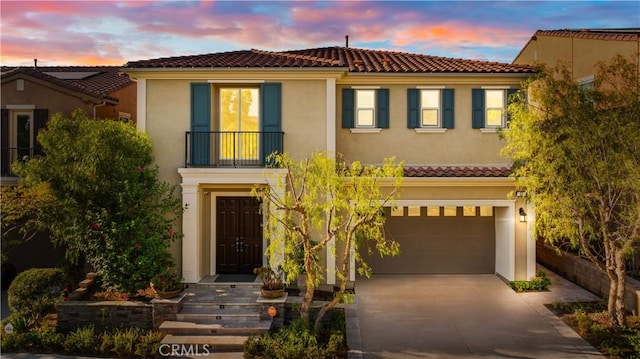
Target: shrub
[(35, 291), (49, 339), (537, 283), (149, 344), (81, 341), (584, 322), (124, 342), (293, 342)]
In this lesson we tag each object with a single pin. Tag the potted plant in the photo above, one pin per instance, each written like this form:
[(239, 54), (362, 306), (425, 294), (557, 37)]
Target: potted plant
[(167, 284), (272, 284)]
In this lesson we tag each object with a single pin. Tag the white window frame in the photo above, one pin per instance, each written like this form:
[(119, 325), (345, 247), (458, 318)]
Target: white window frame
[(503, 109), (357, 109), (438, 109)]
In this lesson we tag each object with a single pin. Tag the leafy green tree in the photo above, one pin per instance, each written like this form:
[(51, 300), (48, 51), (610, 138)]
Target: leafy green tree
[(21, 211), (113, 210), (319, 200), (576, 150)]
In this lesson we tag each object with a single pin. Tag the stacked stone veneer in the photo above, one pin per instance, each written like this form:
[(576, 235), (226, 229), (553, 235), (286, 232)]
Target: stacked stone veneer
[(115, 314), (584, 273), (102, 315)]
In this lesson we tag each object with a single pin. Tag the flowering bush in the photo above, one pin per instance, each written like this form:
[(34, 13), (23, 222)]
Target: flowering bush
[(115, 212)]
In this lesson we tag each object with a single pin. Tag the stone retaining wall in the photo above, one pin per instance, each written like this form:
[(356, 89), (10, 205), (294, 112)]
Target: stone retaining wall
[(584, 273), (102, 315), (115, 314)]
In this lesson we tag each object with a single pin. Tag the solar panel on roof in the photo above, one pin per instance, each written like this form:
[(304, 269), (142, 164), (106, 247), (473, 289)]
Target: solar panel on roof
[(71, 75)]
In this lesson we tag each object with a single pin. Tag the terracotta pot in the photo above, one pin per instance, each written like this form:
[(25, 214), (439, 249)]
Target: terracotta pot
[(272, 293), (170, 294)]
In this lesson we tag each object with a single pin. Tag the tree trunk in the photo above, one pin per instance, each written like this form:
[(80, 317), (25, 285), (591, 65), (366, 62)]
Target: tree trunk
[(621, 311), (344, 274), (311, 287)]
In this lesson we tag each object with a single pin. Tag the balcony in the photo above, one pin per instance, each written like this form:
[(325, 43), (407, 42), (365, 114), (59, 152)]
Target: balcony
[(231, 148), (8, 155)]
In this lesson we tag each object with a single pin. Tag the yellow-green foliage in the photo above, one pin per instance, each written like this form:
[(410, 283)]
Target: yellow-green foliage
[(576, 151)]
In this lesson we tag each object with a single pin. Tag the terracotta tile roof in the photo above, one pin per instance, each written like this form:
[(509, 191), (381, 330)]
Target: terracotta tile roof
[(99, 81), (447, 171), (354, 60), (627, 34)]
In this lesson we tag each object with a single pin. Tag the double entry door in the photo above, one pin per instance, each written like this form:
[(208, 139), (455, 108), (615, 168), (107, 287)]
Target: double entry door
[(238, 235)]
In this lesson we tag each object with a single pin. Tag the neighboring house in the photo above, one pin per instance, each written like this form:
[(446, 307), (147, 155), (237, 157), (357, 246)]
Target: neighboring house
[(581, 49), (30, 96), (213, 118)]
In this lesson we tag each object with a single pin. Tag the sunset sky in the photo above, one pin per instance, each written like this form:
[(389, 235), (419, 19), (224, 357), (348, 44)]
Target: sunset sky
[(114, 32)]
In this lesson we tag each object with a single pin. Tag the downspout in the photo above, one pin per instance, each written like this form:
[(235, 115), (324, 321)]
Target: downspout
[(104, 103)]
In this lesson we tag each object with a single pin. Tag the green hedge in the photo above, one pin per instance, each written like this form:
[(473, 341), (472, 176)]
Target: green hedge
[(34, 292)]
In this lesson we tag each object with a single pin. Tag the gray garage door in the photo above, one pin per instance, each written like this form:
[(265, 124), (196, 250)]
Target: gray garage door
[(456, 243)]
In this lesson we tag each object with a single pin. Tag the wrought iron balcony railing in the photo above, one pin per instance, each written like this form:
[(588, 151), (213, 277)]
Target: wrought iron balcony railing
[(8, 155), (231, 148)]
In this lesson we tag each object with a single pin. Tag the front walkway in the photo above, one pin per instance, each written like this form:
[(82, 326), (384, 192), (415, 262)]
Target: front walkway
[(464, 316)]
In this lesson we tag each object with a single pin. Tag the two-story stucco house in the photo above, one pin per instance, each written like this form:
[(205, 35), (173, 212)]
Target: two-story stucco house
[(580, 49), (31, 95), (213, 118)]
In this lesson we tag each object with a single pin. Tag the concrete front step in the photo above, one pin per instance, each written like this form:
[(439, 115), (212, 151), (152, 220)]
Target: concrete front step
[(201, 345), (249, 327), (240, 317), (220, 308)]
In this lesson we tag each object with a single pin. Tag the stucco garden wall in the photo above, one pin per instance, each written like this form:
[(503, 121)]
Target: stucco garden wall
[(584, 273)]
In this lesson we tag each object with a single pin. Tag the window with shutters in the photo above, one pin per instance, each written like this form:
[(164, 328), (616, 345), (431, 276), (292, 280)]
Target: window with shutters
[(430, 110), (365, 109), (234, 124), (489, 108)]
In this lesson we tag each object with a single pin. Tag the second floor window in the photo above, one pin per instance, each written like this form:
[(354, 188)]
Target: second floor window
[(239, 123), (495, 108), (489, 107), (430, 109), (365, 108)]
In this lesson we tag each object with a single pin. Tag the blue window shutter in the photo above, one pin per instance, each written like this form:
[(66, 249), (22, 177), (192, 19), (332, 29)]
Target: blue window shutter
[(271, 117), (413, 108), (477, 108), (510, 93), (200, 124), (448, 104), (382, 103), (348, 108)]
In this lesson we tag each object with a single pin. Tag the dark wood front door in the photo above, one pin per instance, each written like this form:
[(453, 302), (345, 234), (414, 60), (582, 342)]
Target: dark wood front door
[(238, 234)]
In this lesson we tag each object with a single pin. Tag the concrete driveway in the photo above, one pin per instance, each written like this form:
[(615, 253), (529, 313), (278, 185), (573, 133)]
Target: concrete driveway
[(460, 316)]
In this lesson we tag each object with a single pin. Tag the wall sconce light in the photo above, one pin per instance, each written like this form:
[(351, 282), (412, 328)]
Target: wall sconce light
[(523, 215)]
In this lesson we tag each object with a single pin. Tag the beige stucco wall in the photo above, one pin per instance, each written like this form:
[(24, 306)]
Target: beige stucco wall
[(169, 109), (126, 103), (461, 145), (581, 54), (304, 119)]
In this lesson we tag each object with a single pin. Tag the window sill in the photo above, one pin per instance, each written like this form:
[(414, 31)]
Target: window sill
[(489, 130), (431, 130), (365, 130)]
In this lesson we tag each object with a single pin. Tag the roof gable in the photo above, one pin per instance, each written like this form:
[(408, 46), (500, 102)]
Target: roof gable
[(350, 59), (626, 34), (98, 82)]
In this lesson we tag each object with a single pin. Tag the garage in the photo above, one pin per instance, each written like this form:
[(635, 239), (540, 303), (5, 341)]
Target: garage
[(439, 240)]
